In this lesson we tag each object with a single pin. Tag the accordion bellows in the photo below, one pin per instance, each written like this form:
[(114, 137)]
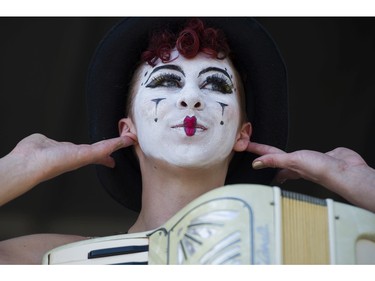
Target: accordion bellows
[(240, 224)]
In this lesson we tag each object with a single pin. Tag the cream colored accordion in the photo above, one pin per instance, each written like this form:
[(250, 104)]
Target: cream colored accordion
[(240, 224)]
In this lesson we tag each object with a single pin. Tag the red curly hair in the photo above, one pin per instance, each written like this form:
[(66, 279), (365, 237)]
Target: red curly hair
[(193, 39)]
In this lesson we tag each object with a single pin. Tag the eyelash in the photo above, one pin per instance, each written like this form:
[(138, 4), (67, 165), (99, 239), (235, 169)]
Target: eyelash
[(218, 83), (165, 80)]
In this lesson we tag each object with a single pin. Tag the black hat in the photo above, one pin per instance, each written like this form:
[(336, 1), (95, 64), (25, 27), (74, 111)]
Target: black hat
[(255, 56)]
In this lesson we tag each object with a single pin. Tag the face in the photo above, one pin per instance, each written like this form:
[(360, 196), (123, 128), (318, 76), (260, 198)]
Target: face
[(187, 112)]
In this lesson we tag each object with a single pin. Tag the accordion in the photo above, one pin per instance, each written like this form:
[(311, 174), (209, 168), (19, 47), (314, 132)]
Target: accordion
[(240, 224)]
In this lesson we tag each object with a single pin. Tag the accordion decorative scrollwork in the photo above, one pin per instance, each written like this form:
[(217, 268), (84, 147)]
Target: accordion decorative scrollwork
[(218, 231)]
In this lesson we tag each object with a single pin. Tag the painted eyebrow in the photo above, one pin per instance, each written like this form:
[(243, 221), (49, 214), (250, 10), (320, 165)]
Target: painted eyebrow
[(168, 66), (208, 69)]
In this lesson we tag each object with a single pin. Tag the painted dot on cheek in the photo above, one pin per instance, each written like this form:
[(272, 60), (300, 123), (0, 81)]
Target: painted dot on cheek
[(222, 123), (156, 119)]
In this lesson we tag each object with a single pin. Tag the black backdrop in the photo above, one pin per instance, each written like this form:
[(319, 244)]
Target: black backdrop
[(43, 63)]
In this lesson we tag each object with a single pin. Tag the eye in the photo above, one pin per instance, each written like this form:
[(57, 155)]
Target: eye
[(218, 83), (165, 80)]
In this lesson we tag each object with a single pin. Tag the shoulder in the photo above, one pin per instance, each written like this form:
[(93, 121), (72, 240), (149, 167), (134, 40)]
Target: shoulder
[(31, 248)]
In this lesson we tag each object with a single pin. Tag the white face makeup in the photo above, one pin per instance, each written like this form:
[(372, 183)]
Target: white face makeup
[(187, 112)]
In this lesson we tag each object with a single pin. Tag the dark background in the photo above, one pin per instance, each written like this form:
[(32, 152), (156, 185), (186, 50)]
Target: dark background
[(43, 63)]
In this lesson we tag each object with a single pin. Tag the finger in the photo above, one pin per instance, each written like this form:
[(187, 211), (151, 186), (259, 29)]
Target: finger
[(100, 151), (107, 161), (132, 136), (112, 145), (309, 165), (262, 149), (275, 160), (109, 146)]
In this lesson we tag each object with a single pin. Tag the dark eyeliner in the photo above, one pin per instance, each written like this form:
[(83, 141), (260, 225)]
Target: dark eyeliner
[(165, 80), (218, 83)]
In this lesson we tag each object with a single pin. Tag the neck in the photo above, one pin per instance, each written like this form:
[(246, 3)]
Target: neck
[(166, 189)]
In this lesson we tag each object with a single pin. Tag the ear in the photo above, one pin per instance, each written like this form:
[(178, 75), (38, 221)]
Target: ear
[(126, 128), (243, 137)]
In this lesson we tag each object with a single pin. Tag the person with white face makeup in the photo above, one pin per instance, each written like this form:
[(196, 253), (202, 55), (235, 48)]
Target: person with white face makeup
[(175, 125), (192, 106)]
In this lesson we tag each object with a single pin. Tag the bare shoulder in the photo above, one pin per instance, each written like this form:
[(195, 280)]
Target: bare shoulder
[(31, 248)]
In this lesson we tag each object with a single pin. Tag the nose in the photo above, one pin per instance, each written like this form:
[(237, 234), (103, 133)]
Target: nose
[(190, 101)]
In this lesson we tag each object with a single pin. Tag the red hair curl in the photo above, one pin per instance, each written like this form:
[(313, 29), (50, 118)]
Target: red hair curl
[(193, 39)]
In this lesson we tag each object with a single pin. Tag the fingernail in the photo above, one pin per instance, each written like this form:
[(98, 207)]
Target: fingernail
[(258, 165)]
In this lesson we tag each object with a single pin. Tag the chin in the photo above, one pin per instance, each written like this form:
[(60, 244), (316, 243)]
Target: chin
[(195, 162), (189, 156)]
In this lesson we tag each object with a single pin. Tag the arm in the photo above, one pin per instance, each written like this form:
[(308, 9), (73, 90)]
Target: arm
[(341, 170), (37, 158)]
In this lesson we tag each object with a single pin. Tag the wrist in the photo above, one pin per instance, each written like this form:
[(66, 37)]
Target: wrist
[(22, 169)]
